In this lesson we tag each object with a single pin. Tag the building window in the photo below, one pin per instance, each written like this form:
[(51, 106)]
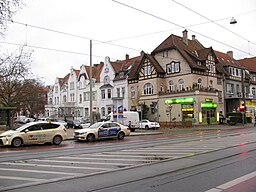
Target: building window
[(80, 98), (181, 85), (220, 96), (123, 91), (86, 112), (109, 93), (254, 91), (106, 80), (94, 96), (64, 98), (109, 109), (171, 85), (147, 70), (103, 112), (103, 96), (230, 88), (148, 89), (199, 83), (132, 92), (86, 96), (118, 92), (72, 86), (56, 88), (173, 67), (211, 84), (219, 81)]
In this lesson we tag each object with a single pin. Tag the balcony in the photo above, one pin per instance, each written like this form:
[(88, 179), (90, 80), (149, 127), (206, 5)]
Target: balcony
[(190, 91)]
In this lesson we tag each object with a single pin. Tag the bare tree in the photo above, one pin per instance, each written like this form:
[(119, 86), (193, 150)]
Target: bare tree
[(7, 9), (14, 70)]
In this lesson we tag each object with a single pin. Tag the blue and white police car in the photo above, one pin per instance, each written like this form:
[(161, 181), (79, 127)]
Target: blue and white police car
[(102, 130)]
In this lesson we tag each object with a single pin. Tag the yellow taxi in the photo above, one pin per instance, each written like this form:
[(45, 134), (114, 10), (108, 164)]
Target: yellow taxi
[(35, 132)]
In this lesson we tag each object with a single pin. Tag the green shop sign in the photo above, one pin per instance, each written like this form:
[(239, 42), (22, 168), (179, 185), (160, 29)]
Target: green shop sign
[(209, 105), (179, 100)]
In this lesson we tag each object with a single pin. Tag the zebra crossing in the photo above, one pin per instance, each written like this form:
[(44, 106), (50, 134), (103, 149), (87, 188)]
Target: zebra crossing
[(33, 171)]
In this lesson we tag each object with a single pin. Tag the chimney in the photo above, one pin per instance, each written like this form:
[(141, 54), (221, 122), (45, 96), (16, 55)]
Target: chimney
[(185, 36), (193, 37), (230, 53), (126, 57)]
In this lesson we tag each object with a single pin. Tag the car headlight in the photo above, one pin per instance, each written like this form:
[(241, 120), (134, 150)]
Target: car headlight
[(9, 135)]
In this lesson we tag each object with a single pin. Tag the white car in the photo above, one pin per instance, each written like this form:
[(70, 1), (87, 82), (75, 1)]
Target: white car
[(101, 130), (33, 133), (146, 124)]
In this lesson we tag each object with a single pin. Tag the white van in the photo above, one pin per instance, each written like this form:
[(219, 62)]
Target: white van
[(124, 118)]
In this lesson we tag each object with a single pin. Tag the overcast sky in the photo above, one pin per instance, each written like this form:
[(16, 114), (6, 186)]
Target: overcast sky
[(51, 26)]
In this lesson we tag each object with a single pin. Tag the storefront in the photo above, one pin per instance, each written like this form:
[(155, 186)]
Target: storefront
[(186, 105), (208, 112)]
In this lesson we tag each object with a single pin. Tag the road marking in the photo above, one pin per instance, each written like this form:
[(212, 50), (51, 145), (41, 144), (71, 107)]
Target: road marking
[(107, 159), (233, 182), (21, 178), (56, 166), (37, 171), (123, 155), (77, 162)]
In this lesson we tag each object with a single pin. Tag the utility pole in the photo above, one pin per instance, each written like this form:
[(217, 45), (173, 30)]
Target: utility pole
[(91, 115), (243, 94)]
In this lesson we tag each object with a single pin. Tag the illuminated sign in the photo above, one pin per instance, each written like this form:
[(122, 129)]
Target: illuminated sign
[(179, 100), (209, 105), (208, 100)]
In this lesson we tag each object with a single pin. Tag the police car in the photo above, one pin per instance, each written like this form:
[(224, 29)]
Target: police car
[(101, 130), (33, 133)]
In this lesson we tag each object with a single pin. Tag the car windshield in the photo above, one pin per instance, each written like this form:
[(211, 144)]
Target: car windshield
[(95, 125)]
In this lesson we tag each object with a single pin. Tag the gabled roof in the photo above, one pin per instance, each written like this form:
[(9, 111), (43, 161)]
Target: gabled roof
[(249, 63), (193, 51), (134, 72), (96, 70), (124, 66), (225, 60)]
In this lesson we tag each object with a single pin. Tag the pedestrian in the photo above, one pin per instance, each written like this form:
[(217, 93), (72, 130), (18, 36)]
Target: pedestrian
[(255, 119), (221, 118)]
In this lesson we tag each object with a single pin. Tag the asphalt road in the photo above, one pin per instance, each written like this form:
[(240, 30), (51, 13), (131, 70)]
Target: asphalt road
[(195, 161)]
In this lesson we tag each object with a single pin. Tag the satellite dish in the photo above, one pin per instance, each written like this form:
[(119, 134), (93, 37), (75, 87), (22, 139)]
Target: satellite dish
[(233, 21)]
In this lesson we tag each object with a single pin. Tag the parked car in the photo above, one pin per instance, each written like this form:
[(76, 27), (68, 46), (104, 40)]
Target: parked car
[(76, 124), (101, 130), (33, 133), (146, 124)]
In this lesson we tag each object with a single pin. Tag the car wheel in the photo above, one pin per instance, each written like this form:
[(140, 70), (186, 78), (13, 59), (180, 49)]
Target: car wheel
[(17, 142), (146, 127), (57, 140), (90, 137), (121, 135)]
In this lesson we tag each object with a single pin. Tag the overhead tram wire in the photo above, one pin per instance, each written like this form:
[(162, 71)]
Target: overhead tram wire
[(49, 49), (160, 18), (72, 35), (213, 22)]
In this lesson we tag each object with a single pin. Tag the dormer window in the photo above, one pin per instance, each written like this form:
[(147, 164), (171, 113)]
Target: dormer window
[(199, 63), (121, 74), (173, 67), (106, 70)]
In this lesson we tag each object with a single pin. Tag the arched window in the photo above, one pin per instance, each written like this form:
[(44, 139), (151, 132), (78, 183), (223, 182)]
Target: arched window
[(103, 112), (171, 85), (181, 84), (106, 80), (199, 83), (132, 92), (109, 110), (211, 84), (148, 89)]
